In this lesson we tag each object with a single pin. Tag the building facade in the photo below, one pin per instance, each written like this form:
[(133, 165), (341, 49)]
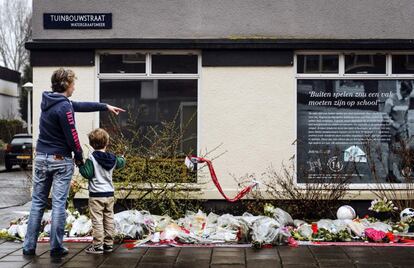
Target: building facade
[(270, 82), (9, 94)]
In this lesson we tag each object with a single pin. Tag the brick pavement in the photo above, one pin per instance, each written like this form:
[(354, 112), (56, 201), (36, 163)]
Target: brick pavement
[(304, 256)]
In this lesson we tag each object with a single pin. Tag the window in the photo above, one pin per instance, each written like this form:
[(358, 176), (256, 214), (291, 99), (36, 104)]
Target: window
[(22, 140), (154, 101), (364, 64), (122, 63), (156, 88), (174, 64), (403, 64), (317, 63)]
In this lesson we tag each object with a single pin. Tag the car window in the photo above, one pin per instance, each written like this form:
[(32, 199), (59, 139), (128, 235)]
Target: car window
[(21, 140)]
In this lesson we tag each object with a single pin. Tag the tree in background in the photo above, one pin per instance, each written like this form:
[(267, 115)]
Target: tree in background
[(15, 31)]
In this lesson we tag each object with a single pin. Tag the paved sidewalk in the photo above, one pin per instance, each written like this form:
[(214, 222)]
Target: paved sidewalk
[(14, 187), (304, 256), (14, 194), (13, 213)]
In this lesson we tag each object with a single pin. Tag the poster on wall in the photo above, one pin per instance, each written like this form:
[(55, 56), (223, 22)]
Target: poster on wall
[(360, 131)]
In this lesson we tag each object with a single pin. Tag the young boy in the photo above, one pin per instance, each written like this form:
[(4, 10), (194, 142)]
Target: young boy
[(98, 170)]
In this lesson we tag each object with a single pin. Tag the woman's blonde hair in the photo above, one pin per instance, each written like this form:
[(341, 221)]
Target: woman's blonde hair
[(61, 79)]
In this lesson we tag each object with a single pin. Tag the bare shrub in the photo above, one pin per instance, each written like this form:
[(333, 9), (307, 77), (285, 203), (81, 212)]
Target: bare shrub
[(314, 198), (155, 177)]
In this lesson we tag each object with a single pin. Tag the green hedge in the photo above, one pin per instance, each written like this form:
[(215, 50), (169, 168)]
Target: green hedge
[(160, 170), (8, 128)]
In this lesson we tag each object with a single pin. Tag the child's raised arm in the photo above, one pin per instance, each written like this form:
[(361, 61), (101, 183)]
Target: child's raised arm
[(120, 162)]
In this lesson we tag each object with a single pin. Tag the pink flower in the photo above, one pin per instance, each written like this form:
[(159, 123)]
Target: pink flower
[(375, 235), (292, 242)]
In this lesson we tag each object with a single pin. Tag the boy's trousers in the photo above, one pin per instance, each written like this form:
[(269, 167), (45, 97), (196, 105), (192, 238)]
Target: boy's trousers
[(102, 217)]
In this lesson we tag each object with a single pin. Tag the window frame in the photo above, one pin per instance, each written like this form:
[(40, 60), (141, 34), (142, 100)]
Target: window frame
[(342, 76), (320, 61), (341, 70), (411, 53), (364, 53), (149, 76), (148, 66)]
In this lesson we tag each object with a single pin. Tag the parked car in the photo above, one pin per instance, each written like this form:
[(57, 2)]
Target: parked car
[(19, 151)]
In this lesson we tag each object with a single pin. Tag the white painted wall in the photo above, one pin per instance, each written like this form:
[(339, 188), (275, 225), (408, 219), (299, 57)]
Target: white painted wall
[(248, 109), (251, 111), (8, 88), (9, 107), (9, 100), (84, 91)]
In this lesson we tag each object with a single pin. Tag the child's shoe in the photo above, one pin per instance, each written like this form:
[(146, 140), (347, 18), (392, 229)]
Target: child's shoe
[(108, 248), (94, 250)]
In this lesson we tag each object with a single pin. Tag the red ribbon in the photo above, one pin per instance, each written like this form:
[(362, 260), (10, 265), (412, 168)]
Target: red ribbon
[(314, 228), (239, 196)]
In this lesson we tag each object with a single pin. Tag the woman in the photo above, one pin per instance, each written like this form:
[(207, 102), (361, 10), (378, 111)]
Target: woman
[(54, 167)]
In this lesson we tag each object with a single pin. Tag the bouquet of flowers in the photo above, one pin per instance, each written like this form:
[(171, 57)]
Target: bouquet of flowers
[(382, 205), (269, 210)]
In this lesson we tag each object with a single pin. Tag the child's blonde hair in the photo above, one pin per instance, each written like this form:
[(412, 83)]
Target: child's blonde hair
[(98, 138)]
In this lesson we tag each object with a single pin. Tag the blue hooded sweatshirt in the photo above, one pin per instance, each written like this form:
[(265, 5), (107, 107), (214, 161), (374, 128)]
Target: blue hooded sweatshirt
[(104, 159), (57, 128)]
